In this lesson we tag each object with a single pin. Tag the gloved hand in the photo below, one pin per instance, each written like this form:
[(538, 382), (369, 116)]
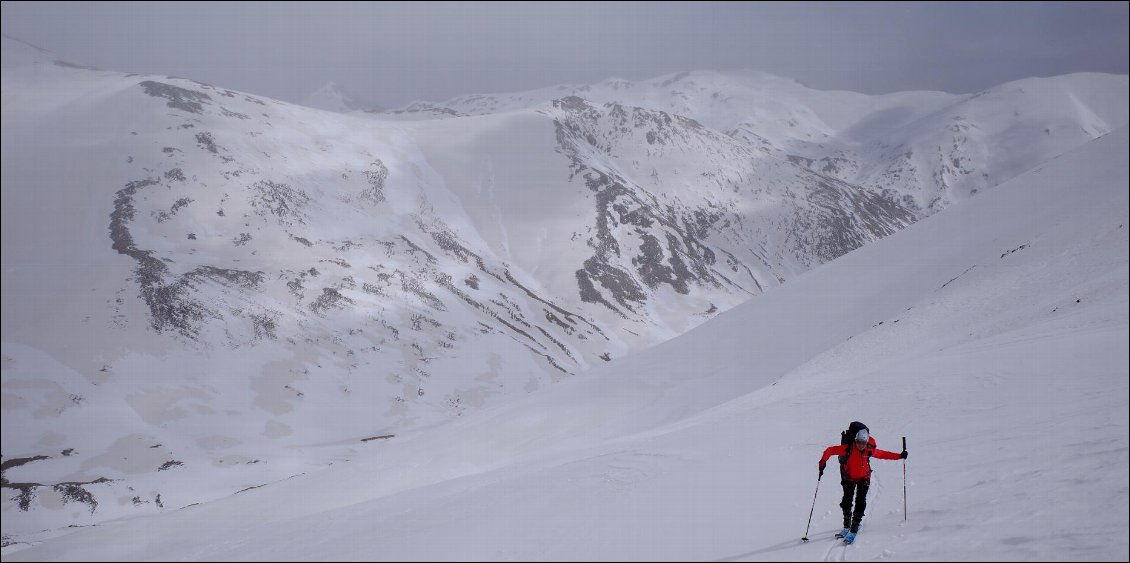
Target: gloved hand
[(822, 465), (903, 454)]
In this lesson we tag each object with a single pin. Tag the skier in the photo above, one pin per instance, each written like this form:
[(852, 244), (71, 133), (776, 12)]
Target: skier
[(855, 476)]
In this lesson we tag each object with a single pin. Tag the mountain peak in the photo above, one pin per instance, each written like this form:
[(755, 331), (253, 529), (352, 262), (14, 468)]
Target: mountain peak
[(332, 97)]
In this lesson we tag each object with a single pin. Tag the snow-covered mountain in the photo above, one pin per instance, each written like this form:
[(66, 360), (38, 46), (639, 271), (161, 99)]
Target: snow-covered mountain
[(331, 97), (999, 354), (206, 290), (927, 149)]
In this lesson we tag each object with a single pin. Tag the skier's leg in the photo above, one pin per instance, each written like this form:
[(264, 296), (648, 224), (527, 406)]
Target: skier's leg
[(860, 503), (845, 503)]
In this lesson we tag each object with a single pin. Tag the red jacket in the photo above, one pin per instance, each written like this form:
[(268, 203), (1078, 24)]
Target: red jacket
[(858, 464)]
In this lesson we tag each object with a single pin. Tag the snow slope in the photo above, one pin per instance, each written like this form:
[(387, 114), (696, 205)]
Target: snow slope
[(205, 290), (992, 335), (198, 282)]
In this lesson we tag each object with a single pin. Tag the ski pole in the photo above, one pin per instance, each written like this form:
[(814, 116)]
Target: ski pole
[(904, 481), (811, 510)]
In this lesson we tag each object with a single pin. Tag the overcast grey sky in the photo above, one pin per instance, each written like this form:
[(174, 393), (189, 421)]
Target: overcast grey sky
[(393, 53)]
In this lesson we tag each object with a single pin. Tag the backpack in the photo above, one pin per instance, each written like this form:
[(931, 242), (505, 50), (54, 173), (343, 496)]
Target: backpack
[(847, 436)]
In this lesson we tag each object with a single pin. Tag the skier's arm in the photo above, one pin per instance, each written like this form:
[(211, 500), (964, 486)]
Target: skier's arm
[(835, 450), (884, 454)]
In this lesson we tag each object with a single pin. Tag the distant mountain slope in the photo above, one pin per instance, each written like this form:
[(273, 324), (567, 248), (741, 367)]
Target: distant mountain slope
[(998, 352), (238, 277), (927, 149)]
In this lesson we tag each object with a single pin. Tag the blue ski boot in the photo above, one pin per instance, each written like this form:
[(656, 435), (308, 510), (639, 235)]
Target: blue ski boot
[(849, 538)]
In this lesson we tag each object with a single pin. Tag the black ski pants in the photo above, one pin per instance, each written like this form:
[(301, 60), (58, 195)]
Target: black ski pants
[(857, 489)]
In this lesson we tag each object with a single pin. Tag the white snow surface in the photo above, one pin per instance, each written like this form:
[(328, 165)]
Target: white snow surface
[(992, 335), (212, 296)]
